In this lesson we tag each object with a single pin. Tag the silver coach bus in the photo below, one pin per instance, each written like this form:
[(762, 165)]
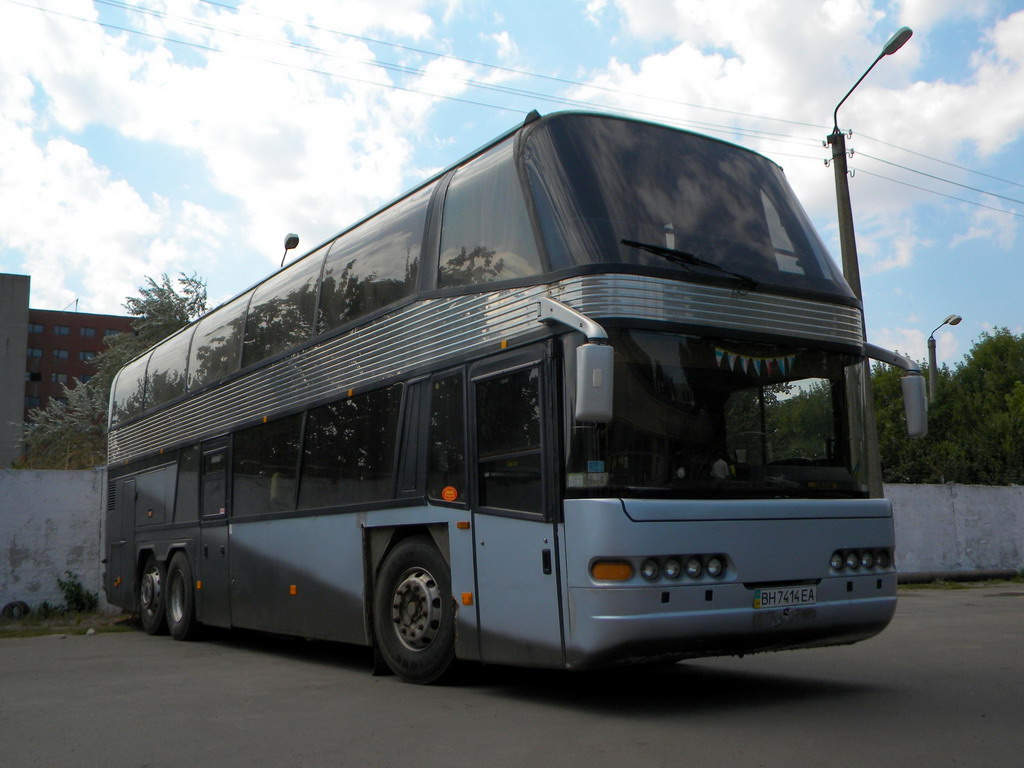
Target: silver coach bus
[(593, 395)]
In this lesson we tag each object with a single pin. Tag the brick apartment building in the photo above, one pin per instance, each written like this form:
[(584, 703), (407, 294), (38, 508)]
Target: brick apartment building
[(40, 350)]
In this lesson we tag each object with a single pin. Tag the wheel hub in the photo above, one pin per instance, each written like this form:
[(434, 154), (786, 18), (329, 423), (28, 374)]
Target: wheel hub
[(416, 609), (150, 592)]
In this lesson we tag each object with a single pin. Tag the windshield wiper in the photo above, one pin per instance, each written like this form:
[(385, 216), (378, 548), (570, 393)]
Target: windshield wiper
[(689, 260)]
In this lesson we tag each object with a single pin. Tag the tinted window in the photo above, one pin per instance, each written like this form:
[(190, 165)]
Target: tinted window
[(375, 264), (508, 440), (349, 450), (186, 501), (485, 232), (165, 375), (217, 344), (129, 391), (446, 458), (282, 308), (263, 466), (597, 181)]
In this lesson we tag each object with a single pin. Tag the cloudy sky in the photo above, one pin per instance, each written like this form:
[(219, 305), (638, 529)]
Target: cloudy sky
[(150, 136)]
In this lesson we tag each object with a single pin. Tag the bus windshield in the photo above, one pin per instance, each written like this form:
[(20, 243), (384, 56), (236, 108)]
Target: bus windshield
[(714, 418), (597, 182)]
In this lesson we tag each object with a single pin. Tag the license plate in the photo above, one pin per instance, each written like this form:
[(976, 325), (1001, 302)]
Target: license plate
[(783, 597)]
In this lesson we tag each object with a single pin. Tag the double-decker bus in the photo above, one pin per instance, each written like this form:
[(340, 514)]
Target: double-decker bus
[(593, 395)]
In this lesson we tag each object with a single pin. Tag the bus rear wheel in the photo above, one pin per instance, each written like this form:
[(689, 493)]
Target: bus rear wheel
[(414, 613), (181, 599), (151, 597)]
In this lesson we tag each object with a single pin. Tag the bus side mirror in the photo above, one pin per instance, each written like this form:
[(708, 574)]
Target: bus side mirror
[(915, 404), (594, 382)]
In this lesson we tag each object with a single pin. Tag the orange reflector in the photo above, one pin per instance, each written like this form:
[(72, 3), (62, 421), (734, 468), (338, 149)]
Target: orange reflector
[(467, 598), (265, 419), (350, 392), (504, 343), (462, 525), (293, 590), (611, 570), (199, 585)]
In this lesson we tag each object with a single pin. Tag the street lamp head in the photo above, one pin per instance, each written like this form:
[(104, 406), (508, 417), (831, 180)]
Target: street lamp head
[(952, 320), (895, 43), (897, 40)]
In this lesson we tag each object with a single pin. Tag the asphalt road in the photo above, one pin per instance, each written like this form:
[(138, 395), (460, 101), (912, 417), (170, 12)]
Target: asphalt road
[(942, 686)]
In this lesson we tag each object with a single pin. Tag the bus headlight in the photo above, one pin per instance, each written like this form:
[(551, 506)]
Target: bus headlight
[(650, 569), (672, 568), (837, 561), (867, 558), (715, 567), (852, 561), (694, 567)]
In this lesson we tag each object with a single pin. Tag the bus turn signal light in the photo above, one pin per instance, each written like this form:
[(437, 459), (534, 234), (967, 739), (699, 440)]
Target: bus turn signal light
[(611, 570)]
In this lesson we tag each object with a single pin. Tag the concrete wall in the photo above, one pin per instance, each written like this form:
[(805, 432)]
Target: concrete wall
[(50, 522), (958, 527), (13, 345)]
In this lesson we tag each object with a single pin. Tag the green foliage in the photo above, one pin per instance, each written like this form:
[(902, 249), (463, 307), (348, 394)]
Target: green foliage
[(77, 599), (73, 434), (976, 421)]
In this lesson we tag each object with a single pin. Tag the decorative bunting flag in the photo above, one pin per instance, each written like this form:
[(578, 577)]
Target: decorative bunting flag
[(770, 365)]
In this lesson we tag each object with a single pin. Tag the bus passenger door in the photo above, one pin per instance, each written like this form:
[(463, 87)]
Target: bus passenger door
[(515, 535), (213, 605)]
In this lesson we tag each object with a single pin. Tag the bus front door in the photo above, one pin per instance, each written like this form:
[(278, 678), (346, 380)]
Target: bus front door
[(516, 543), (213, 605)]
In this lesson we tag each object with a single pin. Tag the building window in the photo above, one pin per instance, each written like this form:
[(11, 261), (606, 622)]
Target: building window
[(87, 331), (34, 352), (33, 376), (111, 332), (59, 378), (84, 378), (35, 328), (86, 355), (60, 354), (62, 330), (32, 401)]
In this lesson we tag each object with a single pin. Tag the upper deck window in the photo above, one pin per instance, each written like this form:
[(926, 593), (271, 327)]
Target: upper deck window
[(375, 264), (217, 346), (598, 181), (485, 232), (282, 309)]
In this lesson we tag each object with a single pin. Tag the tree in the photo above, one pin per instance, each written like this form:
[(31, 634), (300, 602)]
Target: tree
[(976, 421), (71, 432)]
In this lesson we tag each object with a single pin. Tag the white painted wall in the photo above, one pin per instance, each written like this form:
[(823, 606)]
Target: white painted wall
[(52, 522), (958, 527)]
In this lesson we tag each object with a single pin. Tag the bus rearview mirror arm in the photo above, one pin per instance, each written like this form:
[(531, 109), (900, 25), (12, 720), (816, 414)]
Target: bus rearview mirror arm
[(594, 361), (915, 390)]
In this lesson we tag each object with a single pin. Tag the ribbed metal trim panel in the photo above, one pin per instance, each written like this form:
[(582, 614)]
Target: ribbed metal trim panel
[(436, 329)]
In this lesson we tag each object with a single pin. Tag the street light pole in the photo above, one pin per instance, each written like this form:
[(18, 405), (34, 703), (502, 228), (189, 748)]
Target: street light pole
[(860, 387), (933, 375), (837, 139)]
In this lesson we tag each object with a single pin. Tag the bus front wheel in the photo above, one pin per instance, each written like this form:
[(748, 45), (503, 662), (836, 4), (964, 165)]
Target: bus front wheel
[(414, 613), (151, 597), (181, 599)]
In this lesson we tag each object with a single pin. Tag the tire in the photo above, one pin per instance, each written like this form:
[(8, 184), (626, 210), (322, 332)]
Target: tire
[(16, 610), (151, 597), (181, 599), (414, 613)]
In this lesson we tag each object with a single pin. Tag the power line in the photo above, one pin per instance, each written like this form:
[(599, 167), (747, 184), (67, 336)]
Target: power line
[(727, 130), (941, 194)]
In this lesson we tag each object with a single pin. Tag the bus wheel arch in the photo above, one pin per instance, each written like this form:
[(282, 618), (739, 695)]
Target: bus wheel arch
[(414, 612), (152, 585)]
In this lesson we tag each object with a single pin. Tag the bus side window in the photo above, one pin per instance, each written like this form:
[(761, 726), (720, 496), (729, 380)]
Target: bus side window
[(446, 452), (508, 441)]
